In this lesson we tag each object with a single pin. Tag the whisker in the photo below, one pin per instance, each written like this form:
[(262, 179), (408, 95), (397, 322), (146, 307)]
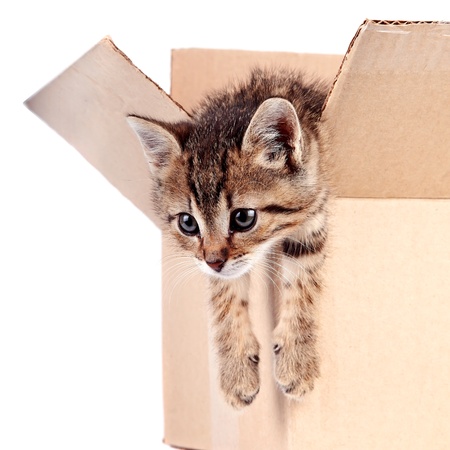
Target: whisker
[(282, 268), (181, 279), (261, 278), (272, 273)]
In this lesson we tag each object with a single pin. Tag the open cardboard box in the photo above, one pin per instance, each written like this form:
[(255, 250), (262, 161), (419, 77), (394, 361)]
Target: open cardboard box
[(385, 316)]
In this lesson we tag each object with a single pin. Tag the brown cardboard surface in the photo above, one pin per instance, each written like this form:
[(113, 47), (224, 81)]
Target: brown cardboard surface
[(385, 326), (87, 105), (385, 318), (185, 356), (390, 113)]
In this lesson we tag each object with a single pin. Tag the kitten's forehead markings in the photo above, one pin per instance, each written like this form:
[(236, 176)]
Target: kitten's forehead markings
[(280, 209), (207, 169), (192, 180)]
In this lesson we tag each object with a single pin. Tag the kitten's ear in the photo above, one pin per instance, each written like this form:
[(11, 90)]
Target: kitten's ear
[(159, 144), (274, 135)]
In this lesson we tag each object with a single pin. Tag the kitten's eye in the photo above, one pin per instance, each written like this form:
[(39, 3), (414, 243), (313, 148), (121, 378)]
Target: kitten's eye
[(188, 225), (242, 219)]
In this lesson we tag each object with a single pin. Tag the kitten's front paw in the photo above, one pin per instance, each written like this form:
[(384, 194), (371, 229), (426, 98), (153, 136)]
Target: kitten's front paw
[(296, 365), (239, 376)]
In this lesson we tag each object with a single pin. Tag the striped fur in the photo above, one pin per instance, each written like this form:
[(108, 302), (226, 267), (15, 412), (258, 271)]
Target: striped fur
[(245, 177)]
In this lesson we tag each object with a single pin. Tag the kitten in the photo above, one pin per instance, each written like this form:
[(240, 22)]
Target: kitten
[(242, 178)]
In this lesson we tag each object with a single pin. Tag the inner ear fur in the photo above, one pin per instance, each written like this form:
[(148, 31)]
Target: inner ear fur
[(159, 144), (274, 134)]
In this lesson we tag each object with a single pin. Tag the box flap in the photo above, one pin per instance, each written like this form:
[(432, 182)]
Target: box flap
[(390, 112), (88, 105)]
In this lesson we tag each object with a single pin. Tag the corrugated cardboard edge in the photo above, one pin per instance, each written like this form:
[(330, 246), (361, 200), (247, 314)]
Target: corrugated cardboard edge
[(344, 60), (355, 37), (124, 56)]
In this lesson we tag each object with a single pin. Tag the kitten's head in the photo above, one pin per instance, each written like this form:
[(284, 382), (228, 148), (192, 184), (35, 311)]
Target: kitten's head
[(228, 187)]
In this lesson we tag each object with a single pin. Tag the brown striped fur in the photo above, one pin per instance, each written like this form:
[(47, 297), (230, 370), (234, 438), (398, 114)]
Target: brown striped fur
[(242, 178)]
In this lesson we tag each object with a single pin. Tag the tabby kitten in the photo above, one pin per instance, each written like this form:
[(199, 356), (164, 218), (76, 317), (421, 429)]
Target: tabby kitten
[(241, 178)]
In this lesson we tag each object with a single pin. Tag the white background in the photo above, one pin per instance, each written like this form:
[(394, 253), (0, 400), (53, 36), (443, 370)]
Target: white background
[(80, 333)]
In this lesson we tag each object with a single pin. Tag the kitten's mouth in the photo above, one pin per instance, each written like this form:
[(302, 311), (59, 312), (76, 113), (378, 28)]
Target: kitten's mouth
[(228, 270)]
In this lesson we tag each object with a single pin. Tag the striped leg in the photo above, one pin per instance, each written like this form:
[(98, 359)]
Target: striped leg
[(236, 345), (295, 336)]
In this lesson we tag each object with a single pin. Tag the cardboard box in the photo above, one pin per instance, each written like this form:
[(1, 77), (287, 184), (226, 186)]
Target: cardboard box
[(385, 316)]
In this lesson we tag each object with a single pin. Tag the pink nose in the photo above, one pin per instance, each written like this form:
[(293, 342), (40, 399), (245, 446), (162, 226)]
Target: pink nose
[(217, 265)]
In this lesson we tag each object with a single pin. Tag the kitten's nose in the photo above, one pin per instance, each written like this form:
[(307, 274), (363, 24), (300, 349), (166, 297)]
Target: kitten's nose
[(217, 264)]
